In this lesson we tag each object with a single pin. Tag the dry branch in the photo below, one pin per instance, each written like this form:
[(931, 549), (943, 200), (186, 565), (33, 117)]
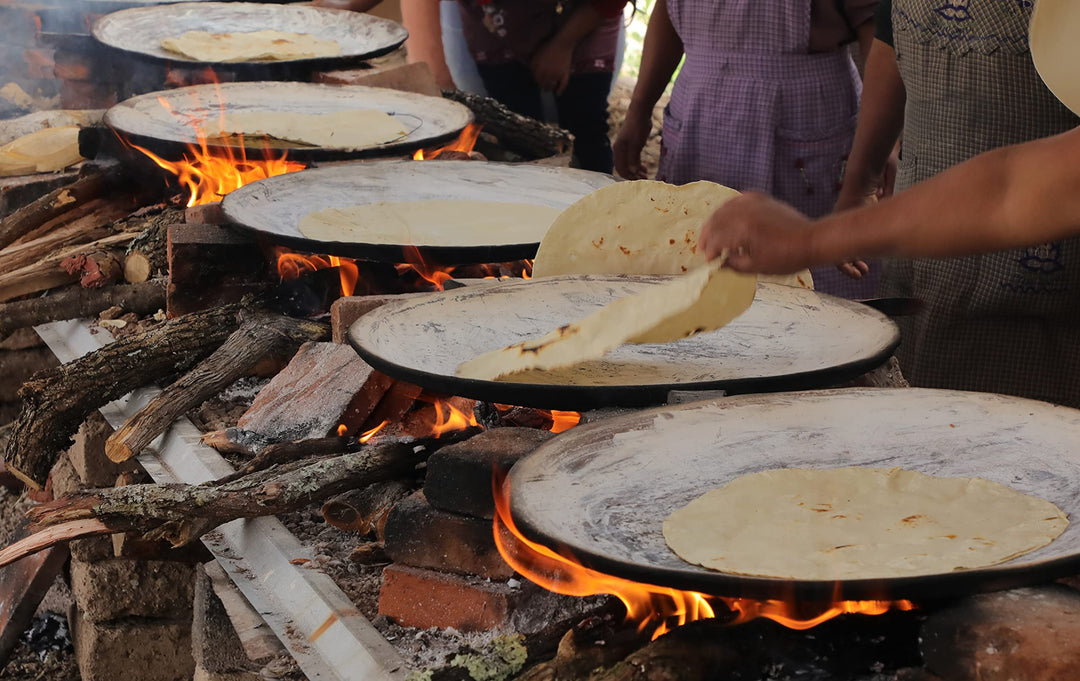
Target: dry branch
[(63, 232), (284, 452), (57, 401), (52, 536), (260, 335), (183, 513), (522, 135), (365, 510), (74, 303), (54, 204)]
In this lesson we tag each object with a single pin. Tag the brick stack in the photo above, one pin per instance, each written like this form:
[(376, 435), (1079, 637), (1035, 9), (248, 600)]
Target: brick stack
[(132, 616), (22, 59), (447, 571)]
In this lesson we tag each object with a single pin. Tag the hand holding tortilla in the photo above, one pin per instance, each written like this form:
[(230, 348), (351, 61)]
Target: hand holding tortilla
[(858, 522), (266, 45)]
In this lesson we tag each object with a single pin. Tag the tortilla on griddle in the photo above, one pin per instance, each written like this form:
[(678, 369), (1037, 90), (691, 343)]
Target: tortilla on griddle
[(268, 45), (357, 129), (703, 300), (858, 523), (639, 227)]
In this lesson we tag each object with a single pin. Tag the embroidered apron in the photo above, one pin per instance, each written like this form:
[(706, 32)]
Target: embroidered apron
[(1004, 322), (753, 110)]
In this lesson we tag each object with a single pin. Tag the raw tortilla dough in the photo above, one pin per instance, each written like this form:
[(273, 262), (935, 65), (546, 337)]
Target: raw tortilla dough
[(254, 46), (856, 522), (639, 227), (431, 223), (43, 151), (343, 129), (703, 300)]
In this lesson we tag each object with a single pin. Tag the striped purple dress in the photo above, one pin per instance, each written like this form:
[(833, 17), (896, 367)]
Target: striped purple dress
[(753, 110)]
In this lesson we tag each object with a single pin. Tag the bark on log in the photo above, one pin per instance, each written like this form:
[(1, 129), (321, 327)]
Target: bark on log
[(75, 303), (520, 134), (694, 652), (183, 513), (260, 335), (84, 225), (364, 511), (53, 204), (95, 269), (48, 273), (56, 402), (285, 452)]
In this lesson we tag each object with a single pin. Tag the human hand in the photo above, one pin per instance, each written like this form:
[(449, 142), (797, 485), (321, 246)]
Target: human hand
[(854, 269), (551, 65), (632, 137), (760, 234)]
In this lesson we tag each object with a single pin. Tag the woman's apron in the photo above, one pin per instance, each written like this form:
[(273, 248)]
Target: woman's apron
[(1006, 322), (752, 110)]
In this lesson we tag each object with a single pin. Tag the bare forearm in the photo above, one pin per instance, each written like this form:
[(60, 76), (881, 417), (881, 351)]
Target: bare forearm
[(881, 120), (581, 23), (660, 57), (425, 43), (1011, 197)]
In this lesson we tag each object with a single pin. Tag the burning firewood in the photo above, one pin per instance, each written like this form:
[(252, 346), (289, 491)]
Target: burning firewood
[(56, 401), (520, 134), (181, 514), (260, 335), (73, 303)]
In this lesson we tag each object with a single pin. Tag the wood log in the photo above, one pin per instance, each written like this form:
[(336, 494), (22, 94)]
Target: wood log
[(75, 303), (56, 402), (51, 536), (96, 268), (54, 204), (370, 553), (48, 273), (364, 511), (260, 334), (522, 135), (285, 452), (698, 651), (137, 268), (183, 513)]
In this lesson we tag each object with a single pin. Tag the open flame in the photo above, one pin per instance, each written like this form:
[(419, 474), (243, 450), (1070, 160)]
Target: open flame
[(464, 144), (655, 609), (291, 265)]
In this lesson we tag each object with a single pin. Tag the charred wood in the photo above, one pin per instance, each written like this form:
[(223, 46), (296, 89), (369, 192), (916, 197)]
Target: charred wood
[(74, 303), (364, 511), (55, 402), (285, 452), (260, 335), (522, 135)]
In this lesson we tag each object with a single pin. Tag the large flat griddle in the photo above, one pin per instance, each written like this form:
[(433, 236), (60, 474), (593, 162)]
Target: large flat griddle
[(169, 122), (273, 207), (603, 491), (790, 338), (140, 30)]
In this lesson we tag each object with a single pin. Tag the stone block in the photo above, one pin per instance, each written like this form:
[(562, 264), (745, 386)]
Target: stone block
[(415, 597), (1020, 635), (421, 536), (112, 589), (134, 650), (459, 476), (347, 310), (87, 454), (325, 374), (219, 655), (259, 642), (63, 477)]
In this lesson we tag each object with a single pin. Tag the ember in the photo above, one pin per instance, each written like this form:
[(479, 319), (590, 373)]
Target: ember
[(655, 609)]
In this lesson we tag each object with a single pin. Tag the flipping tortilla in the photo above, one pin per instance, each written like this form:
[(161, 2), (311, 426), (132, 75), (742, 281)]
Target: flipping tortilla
[(342, 129), (639, 227), (268, 45), (703, 300), (858, 523)]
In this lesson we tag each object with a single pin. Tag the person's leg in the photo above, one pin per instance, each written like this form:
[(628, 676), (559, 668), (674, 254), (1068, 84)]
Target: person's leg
[(583, 110), (513, 85)]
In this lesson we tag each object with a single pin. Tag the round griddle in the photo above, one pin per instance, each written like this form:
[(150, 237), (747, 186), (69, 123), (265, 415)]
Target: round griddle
[(140, 30), (790, 338), (603, 491), (274, 207), (169, 128)]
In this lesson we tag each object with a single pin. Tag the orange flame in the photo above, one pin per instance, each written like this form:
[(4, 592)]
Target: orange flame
[(436, 275), (655, 609), (450, 419), (291, 265), (563, 420), (464, 143), (368, 434)]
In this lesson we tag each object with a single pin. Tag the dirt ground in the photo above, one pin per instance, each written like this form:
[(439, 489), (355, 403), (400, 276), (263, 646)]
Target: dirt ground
[(617, 105)]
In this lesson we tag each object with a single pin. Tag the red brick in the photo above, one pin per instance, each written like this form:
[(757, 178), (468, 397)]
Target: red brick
[(39, 63), (22, 586), (72, 71), (414, 597), (78, 94), (1020, 635), (458, 477), (347, 310), (421, 536), (309, 398)]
